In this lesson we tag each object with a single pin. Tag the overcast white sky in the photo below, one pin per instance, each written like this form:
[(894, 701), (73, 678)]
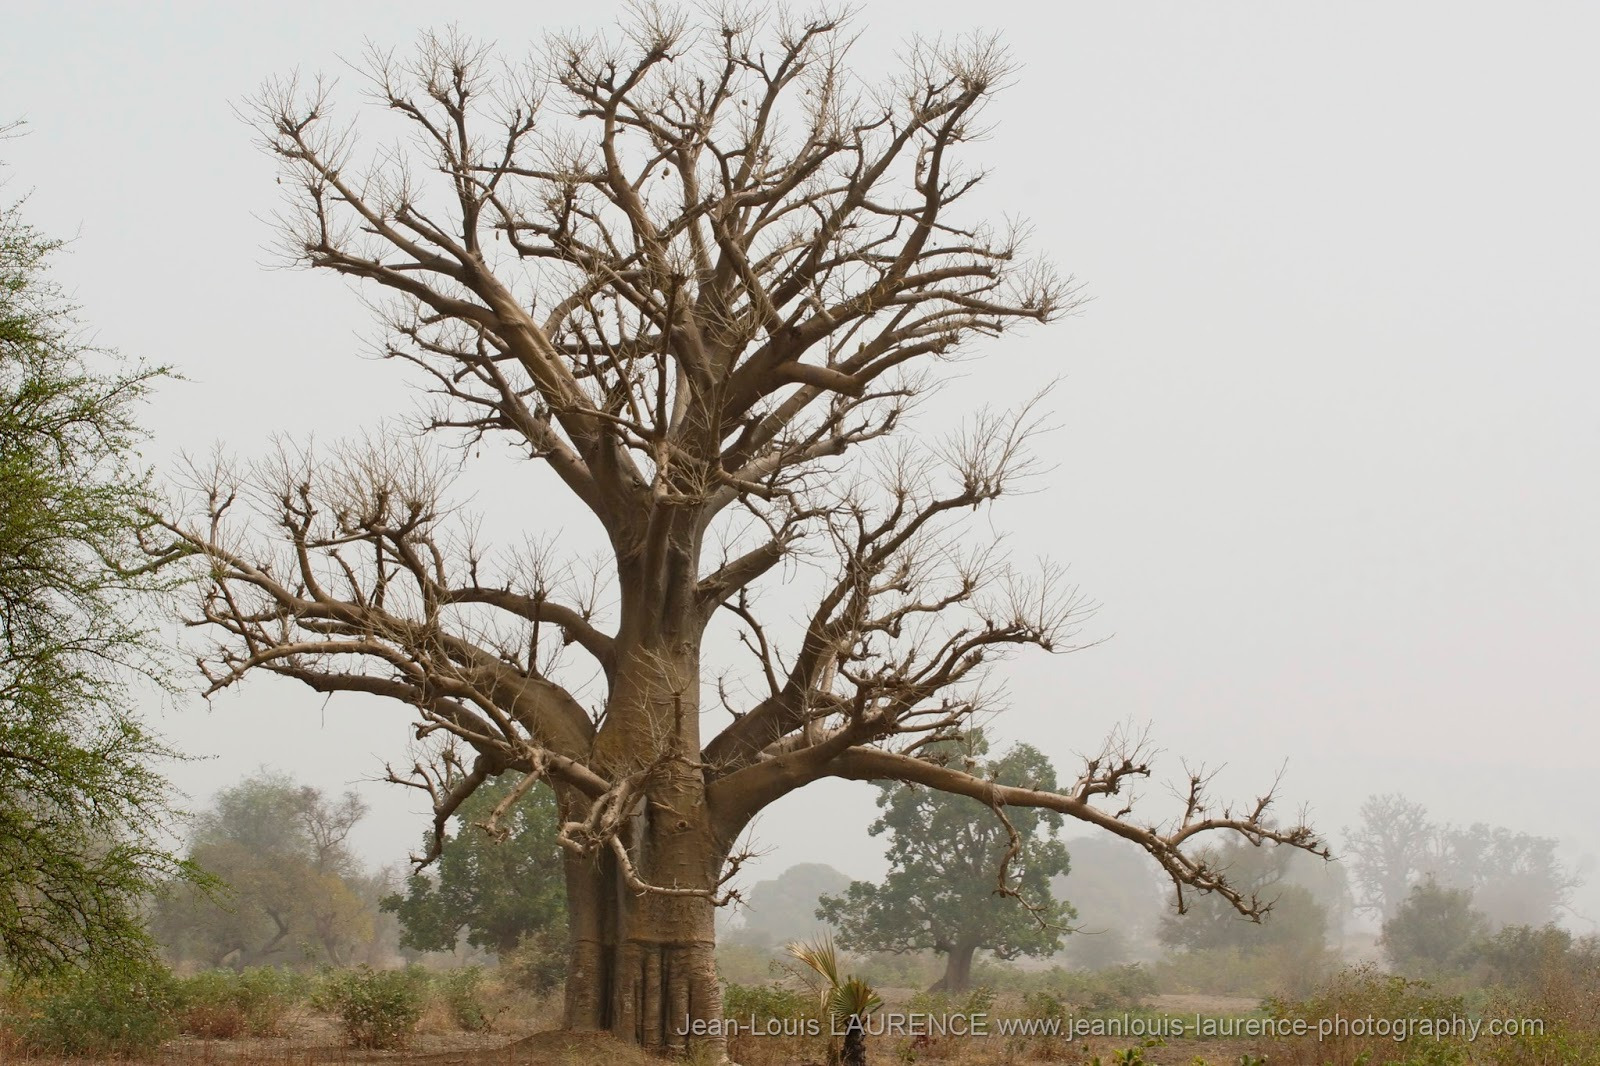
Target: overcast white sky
[(1330, 428)]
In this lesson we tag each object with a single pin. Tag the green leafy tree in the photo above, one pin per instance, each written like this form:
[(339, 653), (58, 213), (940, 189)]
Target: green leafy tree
[(1435, 931), (958, 880), (1525, 957), (295, 891), (498, 890), (83, 806)]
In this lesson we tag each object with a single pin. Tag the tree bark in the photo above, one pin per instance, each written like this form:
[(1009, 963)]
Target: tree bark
[(957, 969), (642, 962), (853, 1051), (641, 966)]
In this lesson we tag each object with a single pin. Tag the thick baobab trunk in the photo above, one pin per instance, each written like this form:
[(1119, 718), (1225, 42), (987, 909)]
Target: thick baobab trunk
[(642, 967), (642, 962)]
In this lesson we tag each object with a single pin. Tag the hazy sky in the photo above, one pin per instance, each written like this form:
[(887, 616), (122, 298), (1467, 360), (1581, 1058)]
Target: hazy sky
[(1328, 446)]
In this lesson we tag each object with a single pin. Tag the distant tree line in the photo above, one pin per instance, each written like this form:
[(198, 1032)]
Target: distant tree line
[(1511, 878)]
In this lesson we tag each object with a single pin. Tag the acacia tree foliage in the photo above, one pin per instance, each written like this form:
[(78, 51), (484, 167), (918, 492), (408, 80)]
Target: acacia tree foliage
[(498, 890), (963, 876), (293, 891), (690, 271), (83, 808)]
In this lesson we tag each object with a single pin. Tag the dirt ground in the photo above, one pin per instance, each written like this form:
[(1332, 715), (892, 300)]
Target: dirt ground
[(575, 1049), (316, 1041), (311, 1040), (319, 1043)]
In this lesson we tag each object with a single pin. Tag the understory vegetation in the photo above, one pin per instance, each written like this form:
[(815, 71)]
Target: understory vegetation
[(131, 1011)]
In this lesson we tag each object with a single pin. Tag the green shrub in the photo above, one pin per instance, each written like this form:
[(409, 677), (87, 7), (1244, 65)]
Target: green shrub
[(267, 994), (909, 969), (1564, 995), (124, 1011), (378, 1008), (462, 993), (1115, 988), (1364, 992), (1043, 1005), (221, 1004), (207, 1006), (765, 1001)]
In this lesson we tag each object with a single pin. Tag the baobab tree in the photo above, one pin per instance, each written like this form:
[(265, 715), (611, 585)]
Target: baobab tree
[(691, 271)]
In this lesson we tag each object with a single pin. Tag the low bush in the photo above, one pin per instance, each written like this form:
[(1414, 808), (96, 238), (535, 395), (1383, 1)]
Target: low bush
[(765, 1001), (788, 1025), (1560, 987), (122, 1011), (909, 969), (1363, 992), (1112, 988), (378, 1009), (978, 1000), (464, 998), (1115, 988), (222, 1004), (208, 1006)]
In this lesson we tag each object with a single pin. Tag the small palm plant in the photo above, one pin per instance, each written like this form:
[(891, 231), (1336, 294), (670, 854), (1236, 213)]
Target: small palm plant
[(846, 1001)]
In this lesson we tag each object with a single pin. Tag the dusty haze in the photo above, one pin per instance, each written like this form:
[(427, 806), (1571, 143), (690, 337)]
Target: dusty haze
[(1328, 437)]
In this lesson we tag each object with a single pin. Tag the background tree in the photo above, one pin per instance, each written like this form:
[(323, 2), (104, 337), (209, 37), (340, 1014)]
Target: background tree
[(1435, 931), (941, 891), (1296, 921), (83, 807), (496, 890), (690, 270), (1388, 852), (1118, 898), (782, 910), (1514, 878), (295, 893)]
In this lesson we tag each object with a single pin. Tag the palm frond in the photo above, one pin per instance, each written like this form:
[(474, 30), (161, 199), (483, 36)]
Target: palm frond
[(821, 956), (852, 999)]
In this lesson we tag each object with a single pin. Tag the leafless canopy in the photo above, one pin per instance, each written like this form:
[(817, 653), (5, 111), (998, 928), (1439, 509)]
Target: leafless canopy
[(689, 268)]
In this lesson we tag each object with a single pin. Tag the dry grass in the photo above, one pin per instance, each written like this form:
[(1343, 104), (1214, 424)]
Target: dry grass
[(523, 1035)]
